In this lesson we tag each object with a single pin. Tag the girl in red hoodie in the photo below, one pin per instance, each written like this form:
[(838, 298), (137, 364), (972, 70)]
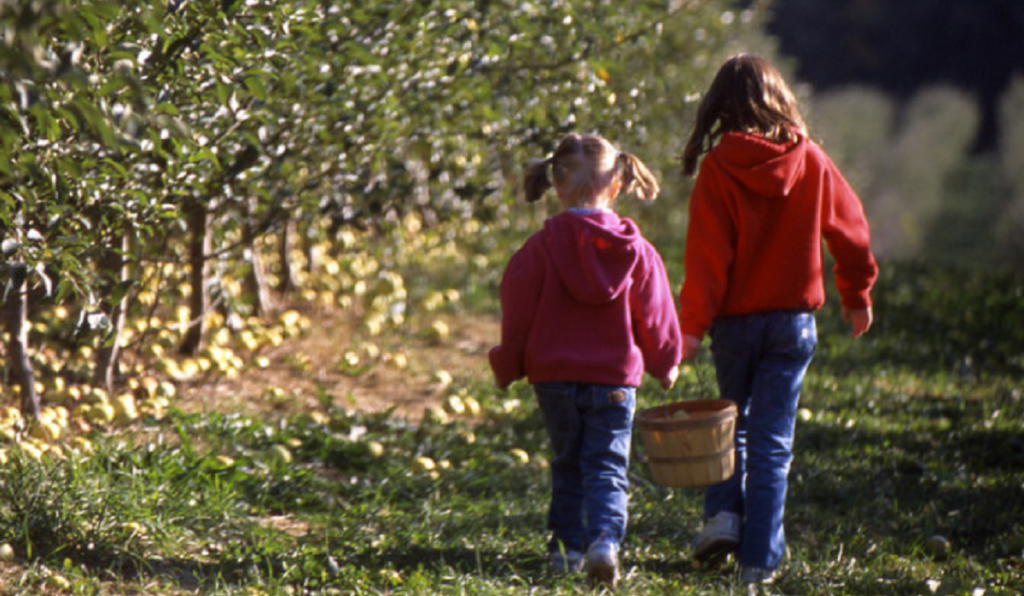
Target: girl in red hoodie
[(764, 199), (586, 309)]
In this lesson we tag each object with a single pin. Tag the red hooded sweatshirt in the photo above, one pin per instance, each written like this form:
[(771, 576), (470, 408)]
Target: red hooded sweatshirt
[(586, 300), (758, 213)]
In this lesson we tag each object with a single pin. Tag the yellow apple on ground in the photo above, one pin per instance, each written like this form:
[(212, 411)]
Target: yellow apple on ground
[(82, 445), (433, 301), (438, 331), (81, 411), (472, 405), (132, 529), (31, 450), (520, 455), (290, 318), (45, 430), (125, 409), (375, 449), (93, 395), (454, 405), (434, 414), (189, 368), (319, 418), (371, 350), (278, 454), (350, 359), (57, 583), (510, 405), (167, 389), (101, 414), (442, 378), (400, 360), (6, 552), (274, 394), (155, 406)]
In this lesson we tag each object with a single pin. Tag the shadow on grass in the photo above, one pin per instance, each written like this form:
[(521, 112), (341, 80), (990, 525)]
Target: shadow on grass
[(898, 488)]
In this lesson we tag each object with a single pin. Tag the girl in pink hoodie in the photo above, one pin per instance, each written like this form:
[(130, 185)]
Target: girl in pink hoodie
[(586, 310)]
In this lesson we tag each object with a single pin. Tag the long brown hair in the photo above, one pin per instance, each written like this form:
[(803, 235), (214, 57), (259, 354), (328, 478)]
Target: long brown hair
[(584, 165), (747, 95)]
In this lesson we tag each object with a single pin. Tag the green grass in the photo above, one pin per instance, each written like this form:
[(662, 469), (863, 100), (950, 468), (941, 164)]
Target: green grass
[(901, 445)]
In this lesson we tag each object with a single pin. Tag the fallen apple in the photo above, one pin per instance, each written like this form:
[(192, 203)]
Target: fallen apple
[(278, 454)]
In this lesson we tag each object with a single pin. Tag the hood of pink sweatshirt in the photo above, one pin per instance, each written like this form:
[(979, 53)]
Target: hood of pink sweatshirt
[(768, 169), (594, 253)]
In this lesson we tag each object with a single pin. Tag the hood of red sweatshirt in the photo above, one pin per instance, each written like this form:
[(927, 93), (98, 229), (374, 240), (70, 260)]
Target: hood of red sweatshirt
[(766, 168), (594, 254)]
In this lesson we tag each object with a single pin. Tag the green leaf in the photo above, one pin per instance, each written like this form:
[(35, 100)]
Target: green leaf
[(204, 153), (118, 168), (256, 88)]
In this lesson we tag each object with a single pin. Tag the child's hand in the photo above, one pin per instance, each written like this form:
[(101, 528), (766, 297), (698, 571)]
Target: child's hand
[(859, 319), (691, 345), (670, 379)]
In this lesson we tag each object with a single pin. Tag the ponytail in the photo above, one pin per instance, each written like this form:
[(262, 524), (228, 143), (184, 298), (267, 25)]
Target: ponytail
[(637, 179), (536, 181)]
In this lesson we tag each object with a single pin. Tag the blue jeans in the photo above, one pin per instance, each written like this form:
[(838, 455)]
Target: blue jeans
[(590, 428), (760, 361)]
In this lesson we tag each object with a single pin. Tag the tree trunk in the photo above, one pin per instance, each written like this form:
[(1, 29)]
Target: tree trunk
[(256, 279), (286, 283), (114, 272), (199, 248), (15, 311), (311, 250)]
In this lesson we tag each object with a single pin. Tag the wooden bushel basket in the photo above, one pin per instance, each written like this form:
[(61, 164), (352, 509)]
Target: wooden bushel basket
[(693, 450)]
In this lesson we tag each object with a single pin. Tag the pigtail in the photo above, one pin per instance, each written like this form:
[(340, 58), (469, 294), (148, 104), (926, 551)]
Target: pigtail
[(637, 178), (536, 180)]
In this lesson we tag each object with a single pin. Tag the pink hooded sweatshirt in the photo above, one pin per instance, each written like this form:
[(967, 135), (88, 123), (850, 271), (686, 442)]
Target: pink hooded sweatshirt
[(586, 300)]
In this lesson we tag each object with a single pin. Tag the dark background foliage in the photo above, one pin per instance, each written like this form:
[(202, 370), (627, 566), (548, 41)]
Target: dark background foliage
[(902, 46)]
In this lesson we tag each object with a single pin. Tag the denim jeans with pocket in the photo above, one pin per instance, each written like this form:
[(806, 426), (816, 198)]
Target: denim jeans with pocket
[(760, 360), (590, 428)]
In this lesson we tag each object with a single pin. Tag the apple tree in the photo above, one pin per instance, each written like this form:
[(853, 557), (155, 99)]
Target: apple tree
[(161, 132)]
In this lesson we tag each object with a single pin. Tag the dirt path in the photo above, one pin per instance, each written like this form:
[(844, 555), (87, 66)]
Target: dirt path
[(303, 367)]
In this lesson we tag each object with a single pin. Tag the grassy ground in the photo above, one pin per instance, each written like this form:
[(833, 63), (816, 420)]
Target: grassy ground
[(908, 479)]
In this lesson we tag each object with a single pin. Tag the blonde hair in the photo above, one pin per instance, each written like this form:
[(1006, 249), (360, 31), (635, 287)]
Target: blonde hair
[(583, 166), (747, 95)]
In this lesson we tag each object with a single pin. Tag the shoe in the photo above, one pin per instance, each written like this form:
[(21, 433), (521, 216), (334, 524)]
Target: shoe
[(602, 563), (721, 534), (569, 561), (757, 575)]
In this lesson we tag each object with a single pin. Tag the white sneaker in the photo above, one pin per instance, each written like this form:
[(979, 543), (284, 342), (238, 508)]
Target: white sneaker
[(570, 561), (721, 534), (602, 563), (756, 575)]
